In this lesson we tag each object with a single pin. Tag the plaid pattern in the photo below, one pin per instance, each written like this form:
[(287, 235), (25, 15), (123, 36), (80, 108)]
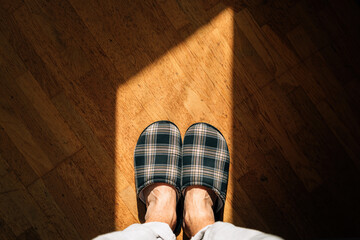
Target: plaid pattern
[(157, 156), (206, 160)]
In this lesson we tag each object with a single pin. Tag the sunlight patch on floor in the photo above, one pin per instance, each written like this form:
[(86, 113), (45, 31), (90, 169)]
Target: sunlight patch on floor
[(191, 82)]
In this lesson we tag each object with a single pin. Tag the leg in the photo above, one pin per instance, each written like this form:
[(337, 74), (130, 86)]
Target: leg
[(146, 231), (199, 219), (224, 231), (198, 209), (157, 163), (205, 171), (161, 204), (157, 174), (160, 218)]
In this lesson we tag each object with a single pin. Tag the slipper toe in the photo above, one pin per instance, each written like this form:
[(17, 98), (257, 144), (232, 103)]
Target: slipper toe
[(206, 160)]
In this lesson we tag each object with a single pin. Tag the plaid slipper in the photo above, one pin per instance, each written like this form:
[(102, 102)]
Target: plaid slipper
[(157, 159), (206, 160)]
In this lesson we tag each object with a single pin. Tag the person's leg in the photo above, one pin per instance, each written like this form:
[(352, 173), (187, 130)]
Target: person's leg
[(198, 209), (160, 218), (146, 231), (161, 204), (205, 169), (199, 220), (225, 231), (157, 168), (157, 165), (205, 172)]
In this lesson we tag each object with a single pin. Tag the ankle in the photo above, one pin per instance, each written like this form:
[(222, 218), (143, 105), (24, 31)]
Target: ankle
[(161, 204), (198, 211), (156, 212)]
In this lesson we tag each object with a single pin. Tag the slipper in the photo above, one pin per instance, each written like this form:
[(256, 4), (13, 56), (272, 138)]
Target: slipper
[(157, 159), (206, 161)]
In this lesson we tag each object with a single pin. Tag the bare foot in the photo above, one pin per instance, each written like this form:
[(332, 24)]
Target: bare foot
[(198, 212), (161, 204)]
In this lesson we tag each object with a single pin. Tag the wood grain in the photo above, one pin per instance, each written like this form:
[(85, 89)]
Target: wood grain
[(80, 80)]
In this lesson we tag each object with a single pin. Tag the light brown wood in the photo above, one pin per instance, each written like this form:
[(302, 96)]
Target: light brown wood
[(80, 80)]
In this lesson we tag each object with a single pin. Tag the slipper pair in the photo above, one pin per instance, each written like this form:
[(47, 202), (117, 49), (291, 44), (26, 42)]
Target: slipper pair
[(203, 160)]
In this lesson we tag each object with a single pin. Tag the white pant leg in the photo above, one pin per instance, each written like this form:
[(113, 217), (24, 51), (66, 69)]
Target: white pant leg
[(146, 231), (222, 231)]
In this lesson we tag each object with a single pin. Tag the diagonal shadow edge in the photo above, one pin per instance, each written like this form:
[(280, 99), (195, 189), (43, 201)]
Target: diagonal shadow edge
[(172, 47)]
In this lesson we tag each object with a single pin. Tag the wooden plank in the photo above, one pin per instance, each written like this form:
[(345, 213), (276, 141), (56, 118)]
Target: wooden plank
[(301, 165), (197, 15), (50, 49), (85, 188), (185, 58), (85, 195), (10, 6), (29, 234), (53, 34), (10, 213), (311, 24), (271, 58), (326, 210), (28, 55), (251, 72), (254, 220), (347, 48), (41, 119), (209, 4), (195, 94), (62, 134), (352, 89), (342, 133), (295, 188), (260, 109), (331, 24), (288, 118), (127, 52), (348, 13), (20, 210), (307, 81), (21, 137), (174, 12), (287, 82), (86, 107), (86, 136), (223, 21), (326, 150), (16, 159), (5, 231), (70, 205), (335, 93), (280, 47), (332, 160), (277, 190), (301, 42), (11, 65), (266, 207), (340, 66), (116, 115), (102, 185), (230, 213), (48, 206), (275, 13), (13, 215), (342, 194)]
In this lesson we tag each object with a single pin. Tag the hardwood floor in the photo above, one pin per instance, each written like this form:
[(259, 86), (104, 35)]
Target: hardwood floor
[(80, 80)]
